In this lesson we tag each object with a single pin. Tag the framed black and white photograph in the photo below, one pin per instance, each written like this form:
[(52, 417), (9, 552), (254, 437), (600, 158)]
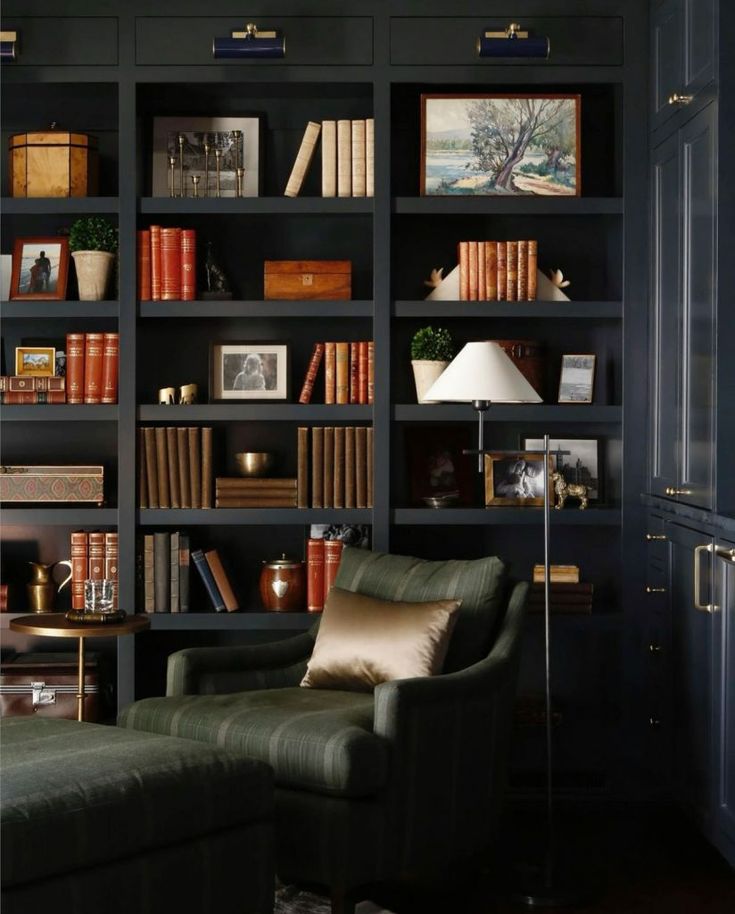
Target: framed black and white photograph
[(237, 139), (515, 479), (249, 371), (577, 378), (581, 466)]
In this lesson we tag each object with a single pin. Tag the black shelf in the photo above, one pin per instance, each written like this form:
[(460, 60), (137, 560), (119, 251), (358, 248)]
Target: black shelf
[(522, 412), (579, 310), (279, 308), (56, 309), (59, 516), (507, 205), (256, 412), (236, 621), (31, 206), (511, 516), (257, 206), (60, 412), (153, 517)]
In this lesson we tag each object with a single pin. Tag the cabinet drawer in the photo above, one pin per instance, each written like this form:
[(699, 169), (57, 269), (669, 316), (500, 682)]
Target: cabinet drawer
[(452, 41), (317, 40), (63, 41)]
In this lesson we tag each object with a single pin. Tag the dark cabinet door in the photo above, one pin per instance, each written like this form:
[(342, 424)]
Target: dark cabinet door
[(698, 363), (699, 44), (724, 572), (667, 54), (665, 317)]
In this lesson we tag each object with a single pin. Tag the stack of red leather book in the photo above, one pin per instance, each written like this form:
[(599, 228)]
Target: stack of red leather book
[(167, 264), (322, 563)]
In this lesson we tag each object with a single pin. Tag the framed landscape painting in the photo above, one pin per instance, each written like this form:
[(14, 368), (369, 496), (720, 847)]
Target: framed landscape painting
[(488, 144)]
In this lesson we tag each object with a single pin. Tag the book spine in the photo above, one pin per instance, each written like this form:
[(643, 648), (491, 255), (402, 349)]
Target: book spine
[(256, 484), (110, 366), (511, 276), (360, 467), (502, 269), (358, 158), (75, 367), (161, 560), (371, 372), (303, 159), (149, 574), (79, 568), (170, 264), (162, 468), (195, 464), (317, 467), (144, 265), (491, 270), (201, 565), (3, 598), (481, 271), (172, 460), (155, 262), (142, 473), (370, 464), (151, 466), (329, 158), (265, 492), (32, 397), (315, 575), (369, 157), (344, 158), (463, 256), (111, 564), (93, 346), (330, 372), (342, 373), (188, 264), (206, 467), (328, 484), (473, 289), (339, 467), (96, 556), (522, 271), (354, 373), (332, 558), (532, 269), (362, 372), (255, 501), (182, 447), (184, 556), (302, 473), (18, 384), (311, 373), (173, 572), (350, 466), (221, 580)]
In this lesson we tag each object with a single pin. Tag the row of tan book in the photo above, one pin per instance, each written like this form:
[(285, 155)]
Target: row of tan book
[(167, 259), (497, 270), (254, 492), (349, 372), (348, 158), (558, 574), (94, 557), (174, 467), (335, 467)]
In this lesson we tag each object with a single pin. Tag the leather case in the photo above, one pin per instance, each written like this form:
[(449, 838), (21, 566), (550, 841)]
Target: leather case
[(46, 684)]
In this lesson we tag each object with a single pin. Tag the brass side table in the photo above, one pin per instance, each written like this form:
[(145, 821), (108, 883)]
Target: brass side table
[(56, 625)]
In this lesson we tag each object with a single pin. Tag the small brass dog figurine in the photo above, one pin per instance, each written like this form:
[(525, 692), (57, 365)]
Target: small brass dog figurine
[(563, 490)]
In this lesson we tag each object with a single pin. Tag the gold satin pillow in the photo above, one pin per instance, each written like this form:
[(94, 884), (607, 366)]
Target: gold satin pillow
[(363, 641)]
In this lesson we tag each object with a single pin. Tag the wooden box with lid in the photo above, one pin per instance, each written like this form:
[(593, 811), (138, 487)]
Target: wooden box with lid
[(304, 279), (53, 163)]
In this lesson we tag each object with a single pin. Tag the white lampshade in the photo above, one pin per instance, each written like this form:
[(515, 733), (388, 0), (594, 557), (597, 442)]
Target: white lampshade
[(482, 371)]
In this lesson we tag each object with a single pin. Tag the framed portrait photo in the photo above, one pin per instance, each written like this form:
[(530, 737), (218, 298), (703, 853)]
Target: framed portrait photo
[(40, 268), (577, 378), (516, 479), (237, 139), (482, 144), (35, 361), (249, 371), (580, 466)]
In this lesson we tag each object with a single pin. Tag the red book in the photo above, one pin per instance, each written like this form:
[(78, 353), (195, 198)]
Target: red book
[(110, 363), (362, 372), (3, 598), (481, 271), (155, 231), (463, 256), (332, 558), (144, 265), (96, 556), (170, 264), (28, 397), (330, 372), (354, 373), (111, 553), (311, 372), (79, 567), (22, 384), (315, 575), (93, 355), (188, 264), (371, 371), (75, 368)]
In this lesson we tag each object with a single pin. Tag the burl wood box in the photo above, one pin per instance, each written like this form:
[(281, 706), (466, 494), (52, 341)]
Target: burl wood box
[(54, 163), (303, 279), (52, 484)]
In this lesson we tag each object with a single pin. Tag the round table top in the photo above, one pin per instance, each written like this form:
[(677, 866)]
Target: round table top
[(56, 625)]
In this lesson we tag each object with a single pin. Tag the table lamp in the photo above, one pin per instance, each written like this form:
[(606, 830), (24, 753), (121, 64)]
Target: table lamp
[(482, 374)]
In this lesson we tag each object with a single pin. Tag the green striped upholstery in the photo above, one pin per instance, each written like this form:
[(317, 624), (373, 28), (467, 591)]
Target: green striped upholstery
[(480, 585), (318, 740)]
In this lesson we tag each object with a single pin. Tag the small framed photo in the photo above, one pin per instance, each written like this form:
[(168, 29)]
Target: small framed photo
[(580, 466), (40, 268), (516, 479), (440, 474), (249, 371), (577, 378), (487, 144), (35, 361), (238, 140)]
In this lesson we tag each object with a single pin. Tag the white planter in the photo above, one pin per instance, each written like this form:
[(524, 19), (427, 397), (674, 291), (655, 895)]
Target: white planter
[(93, 273), (424, 374)]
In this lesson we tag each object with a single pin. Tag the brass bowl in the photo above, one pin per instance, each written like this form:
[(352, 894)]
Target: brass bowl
[(254, 463)]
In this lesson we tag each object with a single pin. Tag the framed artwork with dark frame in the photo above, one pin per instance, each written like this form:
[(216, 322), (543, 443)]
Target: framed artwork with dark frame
[(577, 378), (440, 475), (40, 268), (480, 144), (516, 479), (581, 466), (249, 370)]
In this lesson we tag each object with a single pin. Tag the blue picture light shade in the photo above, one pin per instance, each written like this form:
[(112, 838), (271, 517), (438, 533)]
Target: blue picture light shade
[(250, 44), (7, 45), (513, 43)]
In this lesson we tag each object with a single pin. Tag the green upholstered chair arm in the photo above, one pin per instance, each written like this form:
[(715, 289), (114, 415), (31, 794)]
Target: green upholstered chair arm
[(220, 670)]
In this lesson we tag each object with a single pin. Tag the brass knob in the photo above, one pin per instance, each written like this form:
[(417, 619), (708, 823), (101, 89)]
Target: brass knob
[(655, 537), (654, 648), (670, 490), (654, 722), (676, 99), (650, 589)]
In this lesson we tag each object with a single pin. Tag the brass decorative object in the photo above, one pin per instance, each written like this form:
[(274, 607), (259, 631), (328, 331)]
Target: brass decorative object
[(182, 192), (218, 165), (557, 278), (172, 176), (166, 396), (188, 394), (435, 278), (254, 463), (207, 147), (564, 489), (195, 179), (42, 589)]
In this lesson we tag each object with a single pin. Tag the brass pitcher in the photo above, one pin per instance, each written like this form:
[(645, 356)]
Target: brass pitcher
[(42, 588)]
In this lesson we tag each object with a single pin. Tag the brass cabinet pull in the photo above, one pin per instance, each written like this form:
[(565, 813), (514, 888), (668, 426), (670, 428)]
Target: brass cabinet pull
[(654, 722), (671, 490), (656, 537), (702, 607), (728, 555), (654, 648), (676, 99), (650, 589)]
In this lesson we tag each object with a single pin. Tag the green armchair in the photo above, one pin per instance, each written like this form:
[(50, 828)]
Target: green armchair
[(369, 787)]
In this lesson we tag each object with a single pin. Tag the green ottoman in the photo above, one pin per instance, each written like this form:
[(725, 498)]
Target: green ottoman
[(104, 819)]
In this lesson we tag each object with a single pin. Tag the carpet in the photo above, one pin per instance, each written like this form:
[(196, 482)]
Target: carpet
[(292, 900)]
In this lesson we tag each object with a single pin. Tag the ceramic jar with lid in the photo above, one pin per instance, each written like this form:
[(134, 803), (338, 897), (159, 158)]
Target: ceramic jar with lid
[(283, 585)]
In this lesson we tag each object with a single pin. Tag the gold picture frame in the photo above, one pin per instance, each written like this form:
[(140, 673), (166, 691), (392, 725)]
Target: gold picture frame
[(35, 361), (507, 478)]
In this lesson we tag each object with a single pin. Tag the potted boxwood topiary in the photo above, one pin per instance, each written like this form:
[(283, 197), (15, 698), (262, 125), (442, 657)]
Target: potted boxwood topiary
[(93, 242), (431, 352)]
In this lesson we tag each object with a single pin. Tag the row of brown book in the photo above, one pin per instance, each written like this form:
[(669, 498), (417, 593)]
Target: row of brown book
[(348, 158), (563, 597), (94, 557), (349, 372), (322, 563), (174, 467), (92, 367), (335, 467), (254, 492), (20, 389), (497, 270), (164, 573), (167, 259)]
